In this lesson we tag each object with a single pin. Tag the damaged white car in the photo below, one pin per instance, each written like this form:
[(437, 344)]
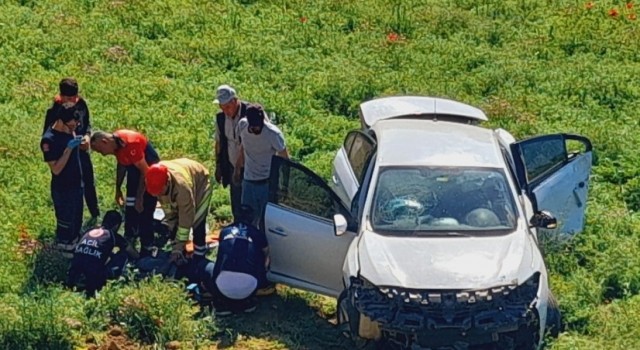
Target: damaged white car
[(428, 233)]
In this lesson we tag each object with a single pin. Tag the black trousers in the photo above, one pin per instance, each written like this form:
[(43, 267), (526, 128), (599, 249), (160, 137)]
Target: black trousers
[(90, 195), (68, 205), (235, 192), (138, 224)]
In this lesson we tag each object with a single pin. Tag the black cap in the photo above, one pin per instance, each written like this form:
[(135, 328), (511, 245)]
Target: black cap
[(245, 214), (112, 220), (68, 87), (255, 115)]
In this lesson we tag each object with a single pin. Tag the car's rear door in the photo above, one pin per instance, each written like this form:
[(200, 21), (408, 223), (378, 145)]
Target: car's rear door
[(554, 170), (298, 222), (350, 164)]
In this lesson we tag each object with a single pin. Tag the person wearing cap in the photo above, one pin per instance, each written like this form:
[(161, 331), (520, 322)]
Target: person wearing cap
[(227, 142), (182, 187), (59, 146), (134, 154), (260, 140), (94, 255), (68, 96)]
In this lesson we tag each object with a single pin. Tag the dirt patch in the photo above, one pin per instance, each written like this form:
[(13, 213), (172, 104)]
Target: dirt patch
[(115, 339)]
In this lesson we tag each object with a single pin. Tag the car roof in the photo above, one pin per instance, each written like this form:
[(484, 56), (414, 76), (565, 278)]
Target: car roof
[(417, 107), (435, 143)]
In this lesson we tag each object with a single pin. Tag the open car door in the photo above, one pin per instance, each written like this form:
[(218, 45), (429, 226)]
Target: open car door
[(554, 171), (298, 221), (350, 165)]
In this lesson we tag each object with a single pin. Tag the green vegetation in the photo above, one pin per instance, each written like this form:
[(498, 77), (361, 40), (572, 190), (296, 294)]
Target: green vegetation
[(533, 66)]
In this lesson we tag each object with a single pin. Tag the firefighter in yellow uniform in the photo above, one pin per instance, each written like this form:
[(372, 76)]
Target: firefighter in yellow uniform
[(182, 187)]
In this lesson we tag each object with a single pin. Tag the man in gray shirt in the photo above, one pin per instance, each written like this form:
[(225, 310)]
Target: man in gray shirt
[(260, 140), (227, 142)]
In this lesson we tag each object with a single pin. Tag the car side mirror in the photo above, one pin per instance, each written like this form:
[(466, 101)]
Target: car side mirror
[(543, 219), (339, 224)]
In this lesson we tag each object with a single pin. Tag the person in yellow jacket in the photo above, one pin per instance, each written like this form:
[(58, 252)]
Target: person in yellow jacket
[(182, 187)]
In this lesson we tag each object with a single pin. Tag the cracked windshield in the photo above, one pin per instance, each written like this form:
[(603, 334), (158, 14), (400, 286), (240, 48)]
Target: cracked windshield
[(437, 199)]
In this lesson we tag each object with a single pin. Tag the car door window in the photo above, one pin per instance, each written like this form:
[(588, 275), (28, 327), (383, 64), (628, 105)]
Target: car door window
[(359, 153), (542, 155), (296, 187)]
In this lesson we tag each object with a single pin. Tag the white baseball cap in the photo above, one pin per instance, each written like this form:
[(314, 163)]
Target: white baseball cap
[(224, 94)]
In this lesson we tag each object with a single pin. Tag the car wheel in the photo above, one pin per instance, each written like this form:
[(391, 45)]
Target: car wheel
[(554, 319), (349, 323)]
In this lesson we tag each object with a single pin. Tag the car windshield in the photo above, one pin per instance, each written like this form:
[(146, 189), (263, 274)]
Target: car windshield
[(446, 200)]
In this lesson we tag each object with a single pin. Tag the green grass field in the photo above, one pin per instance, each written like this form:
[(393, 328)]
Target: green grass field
[(533, 66)]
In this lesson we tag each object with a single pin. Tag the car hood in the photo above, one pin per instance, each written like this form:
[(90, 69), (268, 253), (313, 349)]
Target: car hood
[(446, 262)]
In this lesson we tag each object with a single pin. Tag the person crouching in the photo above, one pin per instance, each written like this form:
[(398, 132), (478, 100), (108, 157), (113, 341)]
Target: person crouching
[(93, 257)]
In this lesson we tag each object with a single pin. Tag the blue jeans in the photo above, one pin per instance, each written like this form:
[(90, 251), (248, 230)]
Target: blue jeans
[(68, 205), (255, 194)]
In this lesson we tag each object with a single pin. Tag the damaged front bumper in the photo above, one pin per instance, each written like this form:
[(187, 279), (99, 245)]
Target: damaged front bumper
[(436, 319)]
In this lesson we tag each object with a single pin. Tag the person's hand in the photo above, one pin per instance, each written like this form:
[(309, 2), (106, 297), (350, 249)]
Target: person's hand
[(84, 145), (237, 177), (139, 206), (119, 197), (218, 174), (73, 143), (177, 252)]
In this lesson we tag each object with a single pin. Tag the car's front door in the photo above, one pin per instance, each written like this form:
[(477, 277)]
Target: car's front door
[(555, 172), (305, 252)]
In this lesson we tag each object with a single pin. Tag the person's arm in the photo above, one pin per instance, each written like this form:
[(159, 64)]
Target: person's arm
[(284, 154), (239, 164), (125, 246), (86, 138), (88, 120), (186, 211), (59, 164), (121, 171), (143, 167)]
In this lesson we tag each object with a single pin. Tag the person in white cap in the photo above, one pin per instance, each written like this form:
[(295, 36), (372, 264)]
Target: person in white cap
[(227, 141)]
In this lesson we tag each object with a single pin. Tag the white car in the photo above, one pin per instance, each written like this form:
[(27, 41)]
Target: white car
[(428, 233)]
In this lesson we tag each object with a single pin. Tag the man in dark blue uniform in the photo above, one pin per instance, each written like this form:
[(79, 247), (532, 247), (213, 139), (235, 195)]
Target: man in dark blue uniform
[(240, 267), (94, 256), (68, 96), (59, 146)]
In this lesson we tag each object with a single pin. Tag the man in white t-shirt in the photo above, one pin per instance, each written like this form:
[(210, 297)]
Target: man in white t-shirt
[(259, 141)]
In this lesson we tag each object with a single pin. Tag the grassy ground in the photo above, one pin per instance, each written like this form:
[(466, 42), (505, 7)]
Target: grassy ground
[(533, 66)]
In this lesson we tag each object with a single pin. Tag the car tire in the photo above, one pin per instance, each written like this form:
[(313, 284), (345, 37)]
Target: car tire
[(349, 323), (554, 323)]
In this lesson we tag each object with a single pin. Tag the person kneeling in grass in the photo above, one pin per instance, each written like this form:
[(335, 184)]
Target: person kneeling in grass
[(94, 257)]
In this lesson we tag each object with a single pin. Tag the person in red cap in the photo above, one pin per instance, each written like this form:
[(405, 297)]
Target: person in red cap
[(134, 154), (182, 187)]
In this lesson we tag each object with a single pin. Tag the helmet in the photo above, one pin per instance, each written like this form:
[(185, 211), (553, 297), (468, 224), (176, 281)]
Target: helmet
[(156, 179), (482, 217), (401, 207)]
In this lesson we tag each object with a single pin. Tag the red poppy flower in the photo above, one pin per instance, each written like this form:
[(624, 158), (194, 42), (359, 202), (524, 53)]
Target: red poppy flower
[(632, 17), (303, 19), (589, 5), (614, 12), (629, 5), (393, 37)]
